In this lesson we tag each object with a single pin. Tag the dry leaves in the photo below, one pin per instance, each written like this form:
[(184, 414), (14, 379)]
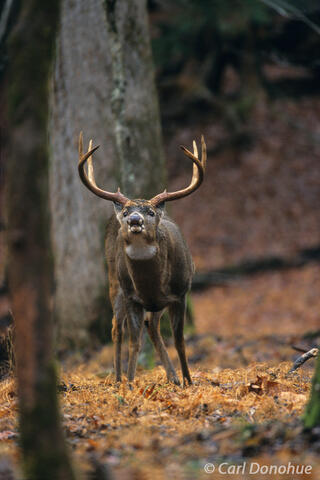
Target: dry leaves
[(241, 401)]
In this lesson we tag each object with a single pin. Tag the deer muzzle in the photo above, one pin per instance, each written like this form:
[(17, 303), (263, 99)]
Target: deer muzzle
[(135, 222)]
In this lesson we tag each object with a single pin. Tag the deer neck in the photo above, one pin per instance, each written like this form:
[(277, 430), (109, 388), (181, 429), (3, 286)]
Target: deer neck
[(145, 266), (140, 250)]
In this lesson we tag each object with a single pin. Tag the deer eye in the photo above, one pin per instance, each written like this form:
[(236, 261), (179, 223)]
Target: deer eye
[(151, 213), (125, 213)]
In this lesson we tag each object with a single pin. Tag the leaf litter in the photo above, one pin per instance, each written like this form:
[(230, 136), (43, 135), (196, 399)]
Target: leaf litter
[(244, 405)]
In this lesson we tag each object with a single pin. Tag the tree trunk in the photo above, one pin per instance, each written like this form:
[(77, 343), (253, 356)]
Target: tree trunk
[(103, 85), (134, 99), (312, 414), (30, 262), (80, 100)]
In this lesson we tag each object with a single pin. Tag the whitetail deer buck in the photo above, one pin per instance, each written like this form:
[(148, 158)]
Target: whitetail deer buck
[(149, 266)]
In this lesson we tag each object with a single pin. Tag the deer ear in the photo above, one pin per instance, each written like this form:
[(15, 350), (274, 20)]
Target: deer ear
[(161, 206), (117, 207)]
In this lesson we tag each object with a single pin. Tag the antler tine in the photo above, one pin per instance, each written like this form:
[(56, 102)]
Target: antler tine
[(203, 153), (195, 168), (199, 167), (90, 166), (88, 179), (195, 149)]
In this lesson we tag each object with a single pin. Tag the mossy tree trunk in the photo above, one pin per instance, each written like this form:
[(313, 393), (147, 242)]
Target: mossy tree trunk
[(104, 86), (134, 100), (312, 414), (31, 50)]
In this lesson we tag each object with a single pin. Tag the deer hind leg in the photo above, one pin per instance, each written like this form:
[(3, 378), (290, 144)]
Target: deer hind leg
[(135, 316), (153, 325), (117, 334), (177, 313)]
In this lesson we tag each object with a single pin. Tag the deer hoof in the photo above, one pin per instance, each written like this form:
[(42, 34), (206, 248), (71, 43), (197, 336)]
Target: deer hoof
[(186, 382), (176, 381)]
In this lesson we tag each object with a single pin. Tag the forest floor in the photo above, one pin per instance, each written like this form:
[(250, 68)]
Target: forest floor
[(244, 407)]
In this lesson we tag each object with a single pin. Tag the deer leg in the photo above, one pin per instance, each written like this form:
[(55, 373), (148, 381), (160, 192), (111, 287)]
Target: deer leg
[(117, 341), (117, 333), (135, 317), (177, 314), (153, 326)]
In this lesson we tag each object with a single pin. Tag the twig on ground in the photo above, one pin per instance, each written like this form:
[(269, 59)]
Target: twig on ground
[(303, 358)]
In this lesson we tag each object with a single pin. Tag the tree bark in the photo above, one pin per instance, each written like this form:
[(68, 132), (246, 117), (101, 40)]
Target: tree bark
[(134, 99), (30, 269), (312, 414), (103, 85), (80, 101)]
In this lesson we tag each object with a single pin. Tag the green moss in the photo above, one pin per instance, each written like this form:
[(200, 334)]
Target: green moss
[(312, 414), (141, 128)]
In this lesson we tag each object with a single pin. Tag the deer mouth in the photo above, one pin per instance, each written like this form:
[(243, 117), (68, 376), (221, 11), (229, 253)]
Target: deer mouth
[(136, 228)]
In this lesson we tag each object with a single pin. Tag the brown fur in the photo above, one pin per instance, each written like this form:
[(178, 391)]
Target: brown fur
[(148, 272)]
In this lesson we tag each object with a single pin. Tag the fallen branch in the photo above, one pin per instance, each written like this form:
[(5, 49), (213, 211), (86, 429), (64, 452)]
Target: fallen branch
[(229, 275), (303, 358)]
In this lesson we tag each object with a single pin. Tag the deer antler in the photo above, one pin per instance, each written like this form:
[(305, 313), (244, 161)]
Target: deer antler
[(88, 179), (199, 167)]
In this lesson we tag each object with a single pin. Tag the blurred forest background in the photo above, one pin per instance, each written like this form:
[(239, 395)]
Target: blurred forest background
[(246, 75)]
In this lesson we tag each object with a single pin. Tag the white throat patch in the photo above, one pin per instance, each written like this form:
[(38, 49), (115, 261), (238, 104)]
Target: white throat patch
[(140, 251)]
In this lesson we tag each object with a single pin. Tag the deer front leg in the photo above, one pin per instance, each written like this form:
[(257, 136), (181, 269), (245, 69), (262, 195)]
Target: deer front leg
[(117, 341), (117, 333), (177, 313), (135, 316), (153, 326)]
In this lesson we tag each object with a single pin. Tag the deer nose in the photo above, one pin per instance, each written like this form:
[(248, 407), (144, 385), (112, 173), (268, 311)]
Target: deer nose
[(135, 219)]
